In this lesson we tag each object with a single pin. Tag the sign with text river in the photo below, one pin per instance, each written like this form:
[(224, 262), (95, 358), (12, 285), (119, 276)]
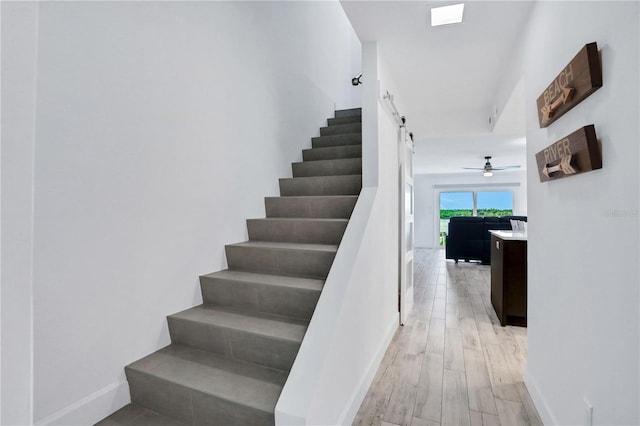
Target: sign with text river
[(574, 154)]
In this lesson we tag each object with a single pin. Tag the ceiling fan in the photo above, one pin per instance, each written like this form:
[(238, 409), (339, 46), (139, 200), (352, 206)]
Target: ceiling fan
[(488, 169)]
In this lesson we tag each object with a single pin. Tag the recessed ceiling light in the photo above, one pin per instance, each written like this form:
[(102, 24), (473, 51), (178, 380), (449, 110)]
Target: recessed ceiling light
[(447, 14)]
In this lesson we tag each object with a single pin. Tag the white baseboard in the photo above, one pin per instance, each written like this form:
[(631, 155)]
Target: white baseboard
[(546, 415), (350, 411), (92, 408)]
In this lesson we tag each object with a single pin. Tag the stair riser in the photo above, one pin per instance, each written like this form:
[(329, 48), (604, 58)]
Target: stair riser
[(310, 207), (332, 153), (269, 299), (235, 344), (292, 231), (304, 263), (336, 140), (341, 129), (340, 167), (188, 405), (348, 112), (326, 185), (344, 120), (200, 336), (211, 411)]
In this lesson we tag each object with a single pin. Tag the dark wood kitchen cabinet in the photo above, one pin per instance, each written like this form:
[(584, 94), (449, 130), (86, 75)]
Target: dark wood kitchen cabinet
[(509, 277)]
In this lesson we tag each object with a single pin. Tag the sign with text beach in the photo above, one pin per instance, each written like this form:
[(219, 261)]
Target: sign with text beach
[(580, 78)]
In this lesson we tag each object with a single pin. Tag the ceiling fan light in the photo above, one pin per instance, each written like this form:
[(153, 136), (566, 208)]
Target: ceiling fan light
[(487, 174)]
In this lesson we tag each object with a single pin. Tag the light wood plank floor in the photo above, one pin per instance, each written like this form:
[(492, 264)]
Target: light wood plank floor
[(452, 363)]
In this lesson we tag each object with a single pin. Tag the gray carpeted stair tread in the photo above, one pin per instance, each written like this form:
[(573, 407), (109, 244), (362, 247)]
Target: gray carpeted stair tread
[(344, 120), (332, 152), (332, 167), (268, 279), (238, 382), (281, 328), (341, 129), (348, 112), (321, 185), (318, 206), (288, 296), (287, 246), (297, 230), (336, 140), (137, 415)]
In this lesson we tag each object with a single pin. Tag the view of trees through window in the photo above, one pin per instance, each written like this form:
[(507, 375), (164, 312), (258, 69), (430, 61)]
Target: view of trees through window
[(477, 203)]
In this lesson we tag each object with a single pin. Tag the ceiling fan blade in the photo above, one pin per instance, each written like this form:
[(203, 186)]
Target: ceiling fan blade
[(505, 167), (473, 168)]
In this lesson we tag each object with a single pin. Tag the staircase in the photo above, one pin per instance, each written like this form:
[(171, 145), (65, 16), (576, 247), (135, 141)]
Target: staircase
[(230, 357)]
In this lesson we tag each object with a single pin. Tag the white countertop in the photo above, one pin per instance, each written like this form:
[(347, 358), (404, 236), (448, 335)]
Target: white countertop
[(510, 235)]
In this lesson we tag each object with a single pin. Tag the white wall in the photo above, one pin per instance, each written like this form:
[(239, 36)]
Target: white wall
[(357, 313), (160, 127), (19, 43), (583, 322), (427, 197)]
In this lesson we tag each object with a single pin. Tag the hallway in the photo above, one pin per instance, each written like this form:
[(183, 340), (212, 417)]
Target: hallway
[(452, 363)]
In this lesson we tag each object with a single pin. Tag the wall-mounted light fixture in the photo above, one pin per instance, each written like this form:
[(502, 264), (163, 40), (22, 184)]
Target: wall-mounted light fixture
[(356, 80)]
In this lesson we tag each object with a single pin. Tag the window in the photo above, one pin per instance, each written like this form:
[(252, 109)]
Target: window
[(454, 204), (495, 203), (477, 203)]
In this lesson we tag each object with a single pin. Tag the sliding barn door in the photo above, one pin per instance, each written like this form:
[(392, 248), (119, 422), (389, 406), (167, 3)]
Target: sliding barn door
[(405, 156)]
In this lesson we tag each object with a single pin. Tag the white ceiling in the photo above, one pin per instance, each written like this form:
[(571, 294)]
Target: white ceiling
[(447, 77)]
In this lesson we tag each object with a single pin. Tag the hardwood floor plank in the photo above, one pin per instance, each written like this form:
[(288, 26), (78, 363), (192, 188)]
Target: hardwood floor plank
[(470, 335), (502, 380), (428, 403), (452, 319), (502, 333), (491, 420), (455, 406), (511, 413), (418, 338), (392, 350), (514, 359), (485, 330), (529, 407), (427, 308), (441, 289), (520, 338), (399, 409), (464, 307), (476, 418), (420, 297), (435, 339), (453, 350), (417, 421), (456, 292), (473, 276), (439, 308), (481, 396), (477, 305), (377, 399), (521, 341)]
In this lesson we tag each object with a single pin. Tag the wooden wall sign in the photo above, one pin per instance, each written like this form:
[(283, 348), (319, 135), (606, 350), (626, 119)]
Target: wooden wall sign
[(574, 154), (579, 79)]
